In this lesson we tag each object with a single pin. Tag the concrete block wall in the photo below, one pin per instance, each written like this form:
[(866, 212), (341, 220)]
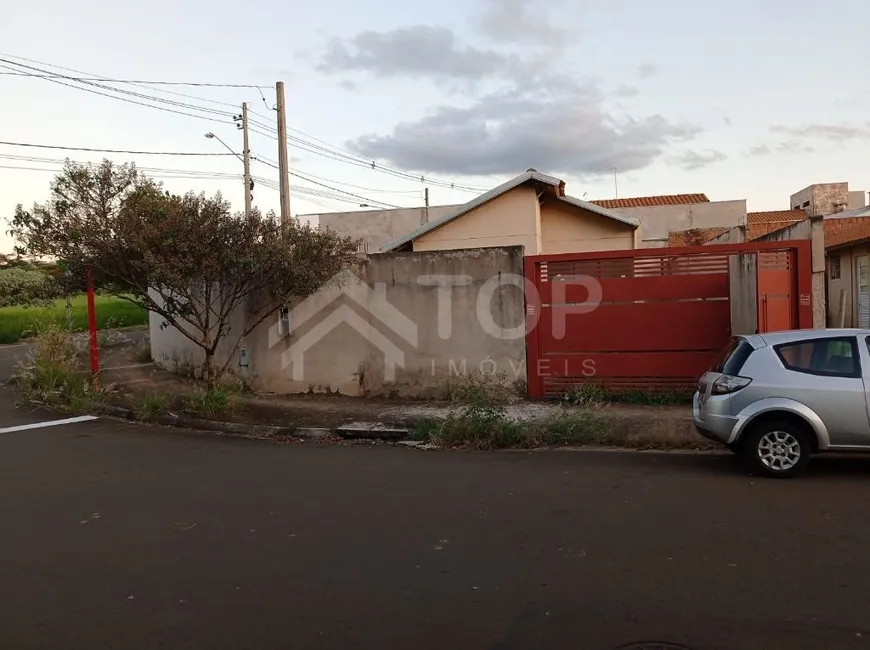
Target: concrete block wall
[(399, 324)]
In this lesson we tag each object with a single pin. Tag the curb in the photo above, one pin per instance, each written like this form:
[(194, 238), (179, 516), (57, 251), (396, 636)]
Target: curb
[(231, 428), (357, 431)]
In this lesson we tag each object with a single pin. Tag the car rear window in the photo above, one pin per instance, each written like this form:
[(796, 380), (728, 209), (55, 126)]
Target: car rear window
[(732, 358)]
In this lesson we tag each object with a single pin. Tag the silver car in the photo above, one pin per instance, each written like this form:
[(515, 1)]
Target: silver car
[(777, 398)]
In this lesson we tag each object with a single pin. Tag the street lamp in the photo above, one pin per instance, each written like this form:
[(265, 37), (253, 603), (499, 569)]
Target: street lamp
[(211, 136), (249, 183)]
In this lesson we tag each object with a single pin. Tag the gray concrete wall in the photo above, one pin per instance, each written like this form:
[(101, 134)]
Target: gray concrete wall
[(857, 199), (378, 227), (735, 235), (389, 328), (743, 292), (657, 221)]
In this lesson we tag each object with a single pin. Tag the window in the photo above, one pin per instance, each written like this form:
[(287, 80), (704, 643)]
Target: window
[(732, 358), (830, 357), (834, 263)]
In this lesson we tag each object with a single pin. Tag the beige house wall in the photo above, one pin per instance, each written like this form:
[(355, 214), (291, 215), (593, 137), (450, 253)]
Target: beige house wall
[(508, 220), (568, 229)]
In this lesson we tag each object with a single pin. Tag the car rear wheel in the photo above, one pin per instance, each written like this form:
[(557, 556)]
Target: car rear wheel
[(777, 449)]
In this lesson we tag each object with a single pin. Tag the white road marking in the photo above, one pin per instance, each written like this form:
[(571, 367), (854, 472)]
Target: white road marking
[(50, 423)]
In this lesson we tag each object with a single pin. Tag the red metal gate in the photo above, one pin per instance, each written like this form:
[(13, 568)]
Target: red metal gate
[(649, 318)]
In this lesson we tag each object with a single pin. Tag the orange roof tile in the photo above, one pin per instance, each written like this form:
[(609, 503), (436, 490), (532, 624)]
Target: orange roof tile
[(759, 224), (650, 201), (849, 235), (694, 236)]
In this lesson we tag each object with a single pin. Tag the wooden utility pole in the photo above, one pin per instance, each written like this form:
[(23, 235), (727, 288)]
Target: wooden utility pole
[(246, 160), (283, 168)]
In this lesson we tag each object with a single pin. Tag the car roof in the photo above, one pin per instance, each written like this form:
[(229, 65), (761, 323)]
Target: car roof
[(792, 336)]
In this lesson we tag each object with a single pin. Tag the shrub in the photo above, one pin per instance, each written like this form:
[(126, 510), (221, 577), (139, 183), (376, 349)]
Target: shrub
[(211, 403), (572, 428), (477, 387), (152, 406), (54, 374), (26, 287)]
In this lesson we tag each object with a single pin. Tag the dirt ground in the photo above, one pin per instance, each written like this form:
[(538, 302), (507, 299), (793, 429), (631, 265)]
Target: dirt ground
[(130, 381)]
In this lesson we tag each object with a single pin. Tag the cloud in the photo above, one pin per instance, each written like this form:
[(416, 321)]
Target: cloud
[(786, 147), (566, 130), (517, 21), (646, 70), (691, 160), (419, 50), (626, 91), (794, 147), (832, 132)]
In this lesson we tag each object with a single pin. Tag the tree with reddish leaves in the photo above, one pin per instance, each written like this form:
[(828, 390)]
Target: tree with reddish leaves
[(188, 258)]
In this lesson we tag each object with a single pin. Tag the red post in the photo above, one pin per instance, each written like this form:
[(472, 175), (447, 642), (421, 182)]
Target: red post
[(92, 327)]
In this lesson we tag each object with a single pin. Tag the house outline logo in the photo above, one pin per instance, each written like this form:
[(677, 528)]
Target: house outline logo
[(372, 300)]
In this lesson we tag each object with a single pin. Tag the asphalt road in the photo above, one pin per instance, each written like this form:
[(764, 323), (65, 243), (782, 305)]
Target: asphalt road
[(117, 536)]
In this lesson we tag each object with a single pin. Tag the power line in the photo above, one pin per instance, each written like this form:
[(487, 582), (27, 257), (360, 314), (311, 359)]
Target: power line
[(124, 99), (339, 154), (94, 150), (120, 91), (141, 83), (125, 81), (358, 196), (323, 149), (201, 175)]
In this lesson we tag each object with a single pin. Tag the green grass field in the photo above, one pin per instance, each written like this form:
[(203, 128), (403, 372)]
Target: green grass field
[(17, 323)]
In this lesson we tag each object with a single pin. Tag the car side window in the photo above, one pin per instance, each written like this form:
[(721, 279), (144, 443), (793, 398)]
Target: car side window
[(830, 357)]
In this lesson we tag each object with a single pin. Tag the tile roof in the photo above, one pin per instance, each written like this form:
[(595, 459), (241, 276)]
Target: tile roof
[(650, 201), (852, 234), (759, 224), (694, 236)]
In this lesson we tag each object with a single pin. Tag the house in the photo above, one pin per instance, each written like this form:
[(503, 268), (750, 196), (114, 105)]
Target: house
[(660, 216), (822, 199), (531, 210), (759, 224), (378, 227), (847, 245)]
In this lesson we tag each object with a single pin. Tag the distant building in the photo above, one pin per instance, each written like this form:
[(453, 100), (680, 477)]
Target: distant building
[(823, 199), (376, 228), (661, 216)]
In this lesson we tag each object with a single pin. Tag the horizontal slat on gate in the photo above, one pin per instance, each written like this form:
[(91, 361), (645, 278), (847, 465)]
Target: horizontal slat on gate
[(634, 327), (639, 370), (651, 288)]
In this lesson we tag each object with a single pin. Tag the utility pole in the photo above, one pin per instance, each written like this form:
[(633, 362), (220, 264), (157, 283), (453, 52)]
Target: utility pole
[(283, 169), (615, 186), (246, 160), (426, 196)]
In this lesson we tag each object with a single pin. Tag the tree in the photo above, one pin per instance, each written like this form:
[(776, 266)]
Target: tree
[(26, 287), (185, 258)]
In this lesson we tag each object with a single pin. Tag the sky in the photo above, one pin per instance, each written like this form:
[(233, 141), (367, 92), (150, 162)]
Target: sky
[(740, 100)]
